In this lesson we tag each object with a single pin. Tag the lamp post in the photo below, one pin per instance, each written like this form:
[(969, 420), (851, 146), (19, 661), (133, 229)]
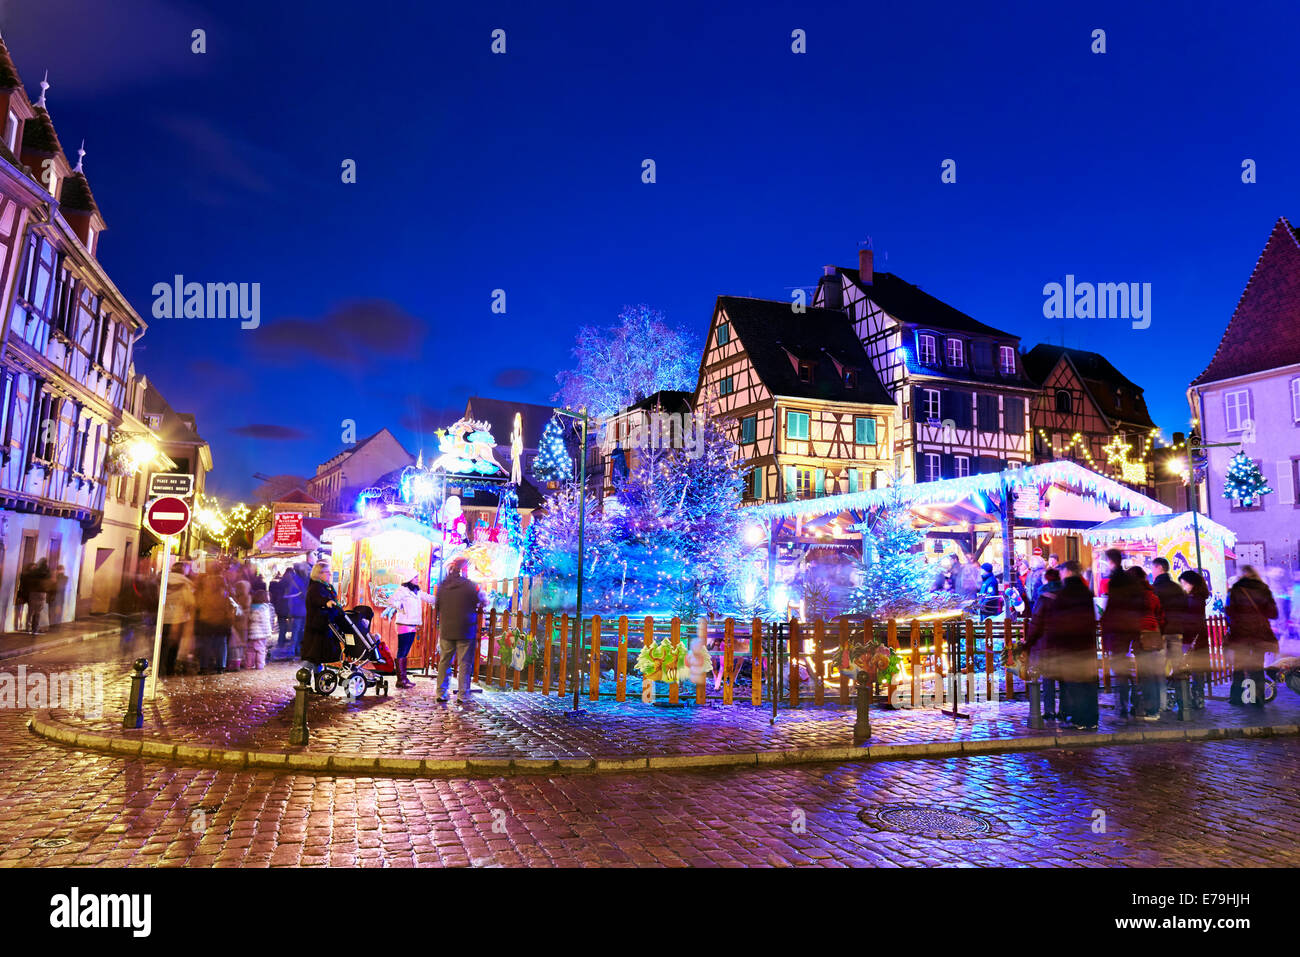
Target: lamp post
[(1189, 472), (583, 421)]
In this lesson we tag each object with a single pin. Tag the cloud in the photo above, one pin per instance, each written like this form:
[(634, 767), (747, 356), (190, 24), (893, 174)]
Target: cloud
[(348, 337), (223, 166), (264, 431), (515, 378)]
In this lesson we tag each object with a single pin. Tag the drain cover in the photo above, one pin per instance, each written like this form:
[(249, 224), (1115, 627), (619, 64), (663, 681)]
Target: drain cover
[(939, 823), (53, 842)]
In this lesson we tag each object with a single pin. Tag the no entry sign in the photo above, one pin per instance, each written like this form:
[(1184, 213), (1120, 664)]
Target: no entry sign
[(167, 516)]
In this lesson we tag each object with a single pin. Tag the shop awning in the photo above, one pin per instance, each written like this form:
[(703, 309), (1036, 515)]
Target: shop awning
[(369, 527), (1154, 528)]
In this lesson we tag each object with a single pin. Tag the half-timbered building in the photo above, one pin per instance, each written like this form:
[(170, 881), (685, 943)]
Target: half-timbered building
[(1088, 412), (65, 357), (801, 396), (961, 398)]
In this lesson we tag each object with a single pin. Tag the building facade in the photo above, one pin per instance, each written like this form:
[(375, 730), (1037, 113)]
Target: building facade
[(1249, 398), (961, 397), (341, 478), (65, 357), (800, 396)]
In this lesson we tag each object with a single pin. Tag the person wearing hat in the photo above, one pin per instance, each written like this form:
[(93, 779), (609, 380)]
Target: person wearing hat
[(408, 614)]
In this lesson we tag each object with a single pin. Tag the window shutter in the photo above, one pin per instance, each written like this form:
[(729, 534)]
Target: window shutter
[(1286, 482), (853, 480), (945, 404), (918, 413), (1015, 414), (819, 482), (787, 472), (948, 466)]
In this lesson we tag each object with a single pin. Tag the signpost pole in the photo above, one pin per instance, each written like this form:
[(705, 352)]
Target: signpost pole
[(158, 622)]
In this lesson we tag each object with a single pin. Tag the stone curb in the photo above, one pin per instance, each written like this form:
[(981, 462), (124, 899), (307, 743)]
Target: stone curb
[(9, 653), (44, 726)]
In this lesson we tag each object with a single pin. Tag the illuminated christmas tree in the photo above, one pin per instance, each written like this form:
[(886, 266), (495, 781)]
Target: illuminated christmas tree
[(895, 580), (553, 463), (1244, 481)]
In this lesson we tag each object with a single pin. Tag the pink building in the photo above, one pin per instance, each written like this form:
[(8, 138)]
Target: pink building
[(1249, 395)]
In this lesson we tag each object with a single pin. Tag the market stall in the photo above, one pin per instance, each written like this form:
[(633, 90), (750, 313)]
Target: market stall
[(1144, 538)]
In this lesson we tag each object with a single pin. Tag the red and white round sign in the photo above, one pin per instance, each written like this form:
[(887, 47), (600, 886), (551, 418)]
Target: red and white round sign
[(167, 516)]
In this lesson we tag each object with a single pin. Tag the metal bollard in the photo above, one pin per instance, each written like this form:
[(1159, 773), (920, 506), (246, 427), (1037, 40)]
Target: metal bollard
[(134, 717), (298, 733), (1034, 690), (1184, 696), (862, 725)]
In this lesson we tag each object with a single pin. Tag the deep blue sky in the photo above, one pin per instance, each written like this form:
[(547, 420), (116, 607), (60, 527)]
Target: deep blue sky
[(522, 172)]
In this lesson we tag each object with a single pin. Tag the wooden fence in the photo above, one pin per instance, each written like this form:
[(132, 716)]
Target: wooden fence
[(812, 658)]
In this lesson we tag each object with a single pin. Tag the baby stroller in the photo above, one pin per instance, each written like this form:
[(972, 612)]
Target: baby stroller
[(366, 661)]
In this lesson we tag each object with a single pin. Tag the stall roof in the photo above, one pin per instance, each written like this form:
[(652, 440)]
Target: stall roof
[(1130, 528), (312, 529), (956, 492), (367, 527)]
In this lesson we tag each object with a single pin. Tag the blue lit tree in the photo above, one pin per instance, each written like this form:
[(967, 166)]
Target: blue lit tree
[(553, 463), (1244, 481), (895, 580)]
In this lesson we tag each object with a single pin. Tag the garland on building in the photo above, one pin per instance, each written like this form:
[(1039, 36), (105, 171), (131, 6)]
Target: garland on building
[(1244, 482)]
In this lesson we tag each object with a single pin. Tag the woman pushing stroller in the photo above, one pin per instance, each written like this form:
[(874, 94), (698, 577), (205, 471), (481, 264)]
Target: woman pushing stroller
[(320, 645)]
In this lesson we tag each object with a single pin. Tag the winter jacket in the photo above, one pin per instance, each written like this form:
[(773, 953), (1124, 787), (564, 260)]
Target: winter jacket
[(295, 592), (1173, 602), (319, 645), (458, 602), (276, 590), (966, 579), (1250, 609), (407, 603), (259, 624), (1040, 651), (1069, 628), (214, 611), (178, 607), (1153, 616)]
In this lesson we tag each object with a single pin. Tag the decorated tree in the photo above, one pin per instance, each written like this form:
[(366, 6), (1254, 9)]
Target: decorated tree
[(637, 356), (895, 581), (552, 550), (1244, 481), (553, 463)]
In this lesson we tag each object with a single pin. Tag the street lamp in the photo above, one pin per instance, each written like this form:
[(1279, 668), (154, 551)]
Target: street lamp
[(1189, 471), (583, 421)]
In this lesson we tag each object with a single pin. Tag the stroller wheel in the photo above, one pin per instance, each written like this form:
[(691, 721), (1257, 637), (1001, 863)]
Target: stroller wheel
[(326, 682), (355, 686)]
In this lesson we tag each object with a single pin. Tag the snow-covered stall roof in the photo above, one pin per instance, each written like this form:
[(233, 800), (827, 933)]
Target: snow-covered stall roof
[(1157, 528)]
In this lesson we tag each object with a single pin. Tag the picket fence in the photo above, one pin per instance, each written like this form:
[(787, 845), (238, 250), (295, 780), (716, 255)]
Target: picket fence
[(812, 658)]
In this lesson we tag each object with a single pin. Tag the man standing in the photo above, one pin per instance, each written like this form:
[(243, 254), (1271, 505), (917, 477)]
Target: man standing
[(457, 603), (1071, 628), (57, 594), (295, 602), (276, 590), (1121, 620), (1173, 602)]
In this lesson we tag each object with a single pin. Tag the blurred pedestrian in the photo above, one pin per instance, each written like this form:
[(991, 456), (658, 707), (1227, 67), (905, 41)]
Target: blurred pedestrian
[(239, 627), (1041, 660), (214, 615), (260, 615), (1150, 652), (178, 618), (21, 620), (966, 580), (296, 581), (58, 592), (1251, 609), (1071, 635), (276, 591), (1036, 577), (38, 594), (1195, 631), (1121, 619), (457, 603), (1173, 602)]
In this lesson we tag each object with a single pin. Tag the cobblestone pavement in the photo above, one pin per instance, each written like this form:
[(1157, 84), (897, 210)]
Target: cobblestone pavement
[(1230, 803), (252, 711)]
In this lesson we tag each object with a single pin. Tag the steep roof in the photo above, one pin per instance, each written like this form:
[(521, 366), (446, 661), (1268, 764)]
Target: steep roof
[(76, 194), (298, 497), (175, 427), (772, 332), (39, 135), (9, 78), (499, 414), (1264, 331), (669, 400), (1098, 375), (909, 303)]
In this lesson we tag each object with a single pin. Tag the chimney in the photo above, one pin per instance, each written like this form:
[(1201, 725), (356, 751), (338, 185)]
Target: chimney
[(832, 290), (864, 266)]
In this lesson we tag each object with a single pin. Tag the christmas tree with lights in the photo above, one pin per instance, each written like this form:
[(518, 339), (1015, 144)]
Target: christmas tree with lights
[(553, 463), (1244, 482), (895, 580)]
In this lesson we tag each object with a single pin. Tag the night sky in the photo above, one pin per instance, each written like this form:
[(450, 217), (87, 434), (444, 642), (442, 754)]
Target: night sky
[(523, 172)]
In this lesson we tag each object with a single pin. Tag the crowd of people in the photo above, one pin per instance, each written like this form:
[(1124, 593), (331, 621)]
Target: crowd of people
[(40, 596), (1152, 630)]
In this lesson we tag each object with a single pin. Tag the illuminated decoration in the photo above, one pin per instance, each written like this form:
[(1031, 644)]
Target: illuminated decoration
[(1060, 472), (1119, 454), (553, 463), (895, 577), (129, 452), (517, 450), (1244, 482), (223, 526), (467, 448)]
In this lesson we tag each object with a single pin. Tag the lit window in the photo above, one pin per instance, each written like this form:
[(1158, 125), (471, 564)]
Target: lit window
[(805, 372), (961, 466), (1236, 410), (933, 471), (796, 425), (864, 428), (1007, 360), (955, 355), (1295, 400), (804, 483), (929, 356)]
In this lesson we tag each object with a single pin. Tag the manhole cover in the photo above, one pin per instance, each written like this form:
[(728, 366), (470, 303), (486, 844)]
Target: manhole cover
[(53, 842), (934, 822)]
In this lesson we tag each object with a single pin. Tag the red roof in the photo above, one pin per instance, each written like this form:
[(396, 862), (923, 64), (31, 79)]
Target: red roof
[(1264, 332), (300, 497)]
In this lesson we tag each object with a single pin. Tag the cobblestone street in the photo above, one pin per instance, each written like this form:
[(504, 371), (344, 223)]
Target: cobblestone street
[(1229, 803)]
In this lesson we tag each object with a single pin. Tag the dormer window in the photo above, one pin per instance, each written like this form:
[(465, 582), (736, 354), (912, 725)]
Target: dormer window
[(1007, 360), (850, 378), (11, 132), (956, 355), (928, 349), (805, 372)]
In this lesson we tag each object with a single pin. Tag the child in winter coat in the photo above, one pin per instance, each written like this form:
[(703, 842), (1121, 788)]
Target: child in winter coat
[(239, 631), (261, 616)]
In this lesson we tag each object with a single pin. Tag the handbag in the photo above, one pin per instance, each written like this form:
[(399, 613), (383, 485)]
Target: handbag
[(1151, 640)]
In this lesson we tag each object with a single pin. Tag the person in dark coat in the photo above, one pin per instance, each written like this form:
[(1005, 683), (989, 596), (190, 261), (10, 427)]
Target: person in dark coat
[(1040, 654), (296, 579), (321, 602), (213, 617), (1120, 623), (276, 592), (1173, 601), (457, 603), (1250, 636), (1195, 632), (1070, 630), (1149, 654)]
